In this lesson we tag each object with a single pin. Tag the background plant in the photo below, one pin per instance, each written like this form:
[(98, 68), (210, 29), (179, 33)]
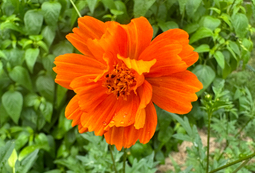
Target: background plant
[(36, 137)]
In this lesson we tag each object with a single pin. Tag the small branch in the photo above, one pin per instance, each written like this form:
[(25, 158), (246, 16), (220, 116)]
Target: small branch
[(76, 9), (233, 163), (208, 140), (113, 161)]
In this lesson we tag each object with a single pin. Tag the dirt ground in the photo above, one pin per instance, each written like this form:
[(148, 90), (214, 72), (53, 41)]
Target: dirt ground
[(180, 157)]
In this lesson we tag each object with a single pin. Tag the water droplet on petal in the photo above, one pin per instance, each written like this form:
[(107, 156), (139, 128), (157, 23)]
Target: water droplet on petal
[(122, 122), (112, 122), (104, 123)]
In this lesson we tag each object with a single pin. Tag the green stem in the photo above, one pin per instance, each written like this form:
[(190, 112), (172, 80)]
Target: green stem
[(113, 161), (242, 165), (76, 9), (124, 160), (208, 140), (233, 163)]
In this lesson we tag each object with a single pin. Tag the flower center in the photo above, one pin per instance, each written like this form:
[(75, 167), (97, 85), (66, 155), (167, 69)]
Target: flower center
[(120, 81)]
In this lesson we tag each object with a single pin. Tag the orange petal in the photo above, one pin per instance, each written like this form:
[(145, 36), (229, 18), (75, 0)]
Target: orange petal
[(145, 95), (88, 28), (140, 34), (165, 51), (97, 119), (121, 136), (175, 92), (90, 93), (174, 34), (125, 114), (139, 66), (146, 133), (113, 42), (187, 54), (73, 111), (127, 136), (70, 66)]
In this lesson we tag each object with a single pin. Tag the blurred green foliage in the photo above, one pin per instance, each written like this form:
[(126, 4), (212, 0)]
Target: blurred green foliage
[(36, 137)]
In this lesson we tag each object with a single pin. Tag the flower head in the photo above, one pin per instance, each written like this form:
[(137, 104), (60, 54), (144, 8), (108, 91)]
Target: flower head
[(121, 73)]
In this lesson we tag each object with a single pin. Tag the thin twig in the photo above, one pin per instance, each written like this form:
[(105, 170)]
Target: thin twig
[(76, 9), (233, 163), (113, 161), (242, 165), (208, 140), (124, 160)]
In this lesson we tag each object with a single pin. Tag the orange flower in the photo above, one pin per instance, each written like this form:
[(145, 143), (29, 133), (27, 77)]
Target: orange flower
[(121, 74)]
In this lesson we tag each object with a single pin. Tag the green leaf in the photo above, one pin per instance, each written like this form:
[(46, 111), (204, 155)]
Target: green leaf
[(61, 94), (2, 55), (192, 6), (109, 4), (48, 62), (210, 22), (205, 74), (21, 76), (182, 4), (12, 102), (48, 33), (51, 11), (5, 152), (46, 109), (165, 135), (200, 33), (164, 26), (142, 6), (226, 18), (92, 5), (31, 55), (235, 47), (27, 163), (33, 20), (62, 48), (12, 159), (46, 86), (220, 59), (202, 48), (240, 23)]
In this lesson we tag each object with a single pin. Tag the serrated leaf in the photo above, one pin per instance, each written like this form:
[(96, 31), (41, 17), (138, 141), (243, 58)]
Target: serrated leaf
[(31, 55), (33, 20), (205, 74), (142, 6), (220, 59), (21, 76), (51, 11), (12, 102)]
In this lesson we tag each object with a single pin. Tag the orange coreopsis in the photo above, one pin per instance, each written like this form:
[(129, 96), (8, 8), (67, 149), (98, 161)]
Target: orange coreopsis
[(121, 73)]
